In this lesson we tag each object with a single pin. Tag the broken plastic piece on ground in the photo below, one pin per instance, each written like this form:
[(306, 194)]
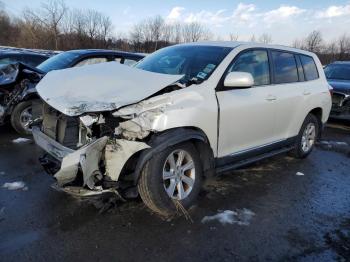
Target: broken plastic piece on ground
[(15, 185), (82, 192), (21, 140), (241, 217)]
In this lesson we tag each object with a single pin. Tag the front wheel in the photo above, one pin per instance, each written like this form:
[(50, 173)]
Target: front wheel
[(307, 137), (21, 117), (173, 175)]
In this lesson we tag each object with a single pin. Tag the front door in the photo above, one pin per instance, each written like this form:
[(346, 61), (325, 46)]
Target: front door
[(247, 115)]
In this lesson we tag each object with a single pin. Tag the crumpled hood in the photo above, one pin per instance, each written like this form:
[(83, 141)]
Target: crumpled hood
[(100, 87)]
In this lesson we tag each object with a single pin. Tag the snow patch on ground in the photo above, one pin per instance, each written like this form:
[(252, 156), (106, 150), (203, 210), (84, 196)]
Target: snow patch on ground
[(21, 140), (15, 185), (299, 174), (2, 173), (241, 217)]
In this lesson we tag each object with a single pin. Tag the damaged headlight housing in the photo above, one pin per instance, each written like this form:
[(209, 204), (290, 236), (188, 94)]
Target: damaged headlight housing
[(89, 120)]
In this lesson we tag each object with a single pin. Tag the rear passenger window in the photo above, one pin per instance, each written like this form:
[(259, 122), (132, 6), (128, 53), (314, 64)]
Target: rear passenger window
[(92, 61), (285, 67), (255, 62), (309, 66), (129, 62)]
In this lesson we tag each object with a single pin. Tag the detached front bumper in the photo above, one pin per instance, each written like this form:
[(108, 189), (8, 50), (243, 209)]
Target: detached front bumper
[(86, 159), (66, 163)]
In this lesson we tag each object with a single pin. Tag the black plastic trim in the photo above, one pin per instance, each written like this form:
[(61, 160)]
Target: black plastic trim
[(234, 159)]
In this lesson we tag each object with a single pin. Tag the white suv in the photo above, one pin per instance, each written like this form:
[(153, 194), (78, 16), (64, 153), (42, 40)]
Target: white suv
[(181, 114)]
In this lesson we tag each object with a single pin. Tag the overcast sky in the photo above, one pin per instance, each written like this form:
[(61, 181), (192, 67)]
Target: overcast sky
[(283, 20)]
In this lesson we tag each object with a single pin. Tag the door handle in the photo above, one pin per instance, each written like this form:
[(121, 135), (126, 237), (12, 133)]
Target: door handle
[(271, 98)]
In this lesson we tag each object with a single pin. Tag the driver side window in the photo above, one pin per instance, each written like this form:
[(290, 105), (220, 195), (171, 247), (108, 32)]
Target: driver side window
[(255, 62)]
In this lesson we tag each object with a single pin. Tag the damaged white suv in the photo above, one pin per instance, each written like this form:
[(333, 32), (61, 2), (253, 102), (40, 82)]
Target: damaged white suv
[(181, 114)]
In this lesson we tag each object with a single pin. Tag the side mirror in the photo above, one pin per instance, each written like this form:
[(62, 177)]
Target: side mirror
[(239, 80)]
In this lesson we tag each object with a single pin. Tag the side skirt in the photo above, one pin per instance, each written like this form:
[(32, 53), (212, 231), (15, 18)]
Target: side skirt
[(235, 161)]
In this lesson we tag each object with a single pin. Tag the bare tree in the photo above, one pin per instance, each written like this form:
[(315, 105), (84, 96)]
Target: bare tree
[(155, 27), (49, 17), (193, 32), (177, 33), (252, 38), (265, 38), (233, 37), (297, 43), (343, 46), (136, 36), (313, 42)]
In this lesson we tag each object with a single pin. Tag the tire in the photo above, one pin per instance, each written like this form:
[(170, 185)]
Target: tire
[(152, 187), (300, 150), (17, 114)]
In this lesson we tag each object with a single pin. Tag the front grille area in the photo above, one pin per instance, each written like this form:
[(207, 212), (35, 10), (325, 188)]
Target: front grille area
[(62, 128)]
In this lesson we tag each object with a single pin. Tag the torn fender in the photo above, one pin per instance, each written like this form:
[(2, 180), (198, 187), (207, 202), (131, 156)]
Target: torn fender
[(118, 153)]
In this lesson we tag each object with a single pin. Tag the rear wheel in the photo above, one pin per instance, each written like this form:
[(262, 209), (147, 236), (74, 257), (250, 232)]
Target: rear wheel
[(21, 117), (173, 175), (307, 137)]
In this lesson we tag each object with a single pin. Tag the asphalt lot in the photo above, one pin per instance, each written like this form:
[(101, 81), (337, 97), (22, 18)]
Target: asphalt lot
[(280, 216)]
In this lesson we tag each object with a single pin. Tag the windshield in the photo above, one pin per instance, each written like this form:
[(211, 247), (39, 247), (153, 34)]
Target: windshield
[(194, 62), (60, 61), (338, 71)]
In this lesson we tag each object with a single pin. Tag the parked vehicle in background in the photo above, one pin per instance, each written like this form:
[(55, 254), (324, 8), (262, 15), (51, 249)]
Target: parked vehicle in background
[(182, 113), (18, 81), (338, 76), (76, 58), (12, 56)]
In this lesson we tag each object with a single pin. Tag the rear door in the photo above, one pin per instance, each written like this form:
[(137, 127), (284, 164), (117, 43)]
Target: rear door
[(247, 116), (288, 79)]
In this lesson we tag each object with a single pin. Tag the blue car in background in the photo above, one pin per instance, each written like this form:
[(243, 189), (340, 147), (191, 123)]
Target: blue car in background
[(18, 81), (338, 76)]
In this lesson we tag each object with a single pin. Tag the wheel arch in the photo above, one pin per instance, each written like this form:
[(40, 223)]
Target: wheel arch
[(318, 113), (160, 141)]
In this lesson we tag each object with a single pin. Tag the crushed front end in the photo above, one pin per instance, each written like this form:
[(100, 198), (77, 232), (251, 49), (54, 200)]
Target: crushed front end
[(16, 81), (340, 104), (83, 153)]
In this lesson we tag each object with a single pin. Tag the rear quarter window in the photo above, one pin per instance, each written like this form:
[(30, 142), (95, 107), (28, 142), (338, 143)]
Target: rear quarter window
[(285, 67), (309, 66)]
